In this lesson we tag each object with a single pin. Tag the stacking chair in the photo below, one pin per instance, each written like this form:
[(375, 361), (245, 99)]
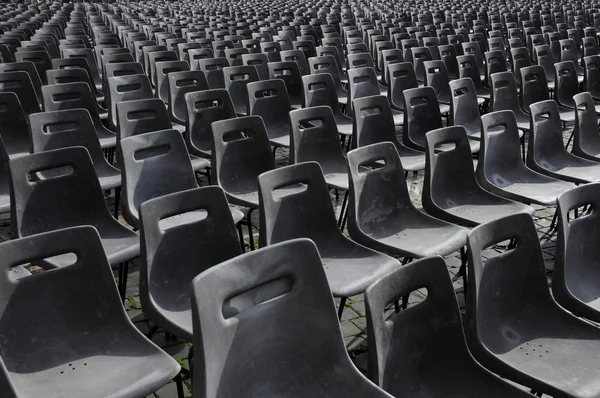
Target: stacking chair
[(546, 151), (120, 69), (326, 64), (534, 88), (510, 313), (34, 360), (163, 70), (546, 61), (284, 197), (269, 100), (401, 77), (504, 97), (30, 68), (433, 331), (281, 279), (213, 70), (92, 68), (75, 75), (586, 139), (464, 109), (236, 80), (567, 85), (156, 57), (70, 96), (146, 115), (405, 231), (14, 129), (19, 82), (241, 152), (197, 224), (40, 59), (495, 62), (179, 84), (319, 90), (125, 88), (70, 172), (501, 171), (259, 61), (461, 200), (289, 72), (203, 108), (70, 128)]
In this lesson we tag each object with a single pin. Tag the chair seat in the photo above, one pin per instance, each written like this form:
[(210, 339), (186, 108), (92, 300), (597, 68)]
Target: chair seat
[(116, 359), (4, 203), (444, 109), (336, 180), (478, 210), (474, 144), (566, 115), (179, 127), (398, 117), (107, 138), (532, 188), (199, 163), (344, 124), (412, 160), (351, 268), (109, 181), (481, 100), (103, 115), (244, 197), (282, 141), (578, 170), (417, 235)]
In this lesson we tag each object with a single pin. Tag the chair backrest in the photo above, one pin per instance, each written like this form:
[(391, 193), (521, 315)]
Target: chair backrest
[(325, 64), (184, 48), (315, 137), (203, 108), (566, 83), (545, 138), (504, 93), (71, 197), (289, 72), (88, 55), (419, 56), (401, 77), (291, 199), (298, 57), (494, 287), (586, 125), (443, 167), (180, 83), (416, 331), (19, 83), (590, 46), (236, 80), (464, 108), (145, 59), (534, 87), (241, 152), (259, 61), (65, 96), (569, 51), (386, 58), (520, 58), (136, 117), (154, 164), (373, 121), (545, 60), (28, 67), (592, 75), (360, 60), (495, 62), (40, 59), (14, 130), (269, 100), (280, 279), (156, 57), (126, 88), (88, 277), (436, 77), (500, 149), (62, 76), (421, 114), (66, 128), (208, 236), (474, 48), (362, 82), (448, 55)]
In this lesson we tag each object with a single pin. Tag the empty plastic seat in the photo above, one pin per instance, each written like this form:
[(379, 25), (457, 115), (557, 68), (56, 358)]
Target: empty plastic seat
[(451, 191), (289, 72), (432, 331), (586, 139), (236, 80), (327, 64), (197, 223), (259, 61), (269, 100), (289, 211), (509, 294), (203, 108), (405, 231), (163, 70), (34, 360), (125, 88), (14, 129), (319, 90), (213, 70), (504, 97), (501, 171), (546, 151), (179, 84), (30, 68), (282, 279), (40, 59), (19, 82), (534, 88)]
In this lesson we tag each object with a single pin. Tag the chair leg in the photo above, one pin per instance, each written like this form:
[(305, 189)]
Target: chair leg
[(341, 308), (123, 271), (179, 382), (463, 268), (241, 233), (343, 210), (570, 139), (523, 147), (250, 232), (117, 200)]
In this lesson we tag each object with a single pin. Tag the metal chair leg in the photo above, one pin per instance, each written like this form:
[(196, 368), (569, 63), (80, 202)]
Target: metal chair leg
[(179, 381), (341, 308)]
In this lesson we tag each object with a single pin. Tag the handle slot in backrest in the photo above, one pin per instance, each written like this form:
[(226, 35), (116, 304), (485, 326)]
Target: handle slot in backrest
[(7, 85), (128, 87), (239, 76), (151, 152), (307, 124), (237, 135), (501, 84), (370, 111), (282, 71), (264, 293), (41, 174), (60, 127), (418, 101), (60, 97)]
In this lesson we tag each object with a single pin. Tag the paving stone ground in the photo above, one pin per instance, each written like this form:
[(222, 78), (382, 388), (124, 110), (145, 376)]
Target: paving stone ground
[(353, 323)]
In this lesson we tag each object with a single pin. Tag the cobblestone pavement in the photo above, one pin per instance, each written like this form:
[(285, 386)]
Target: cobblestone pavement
[(353, 322)]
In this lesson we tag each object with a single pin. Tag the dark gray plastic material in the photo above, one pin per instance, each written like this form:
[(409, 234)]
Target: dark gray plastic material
[(181, 83), (319, 90), (586, 140), (269, 99), (14, 128)]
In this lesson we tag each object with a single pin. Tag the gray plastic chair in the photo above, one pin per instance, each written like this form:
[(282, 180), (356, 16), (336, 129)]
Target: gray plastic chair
[(203, 108), (34, 360), (125, 88), (501, 171), (405, 231), (505, 97), (69, 128), (120, 69), (510, 313), (261, 308), (546, 152), (31, 70), (163, 70), (179, 84), (289, 72), (269, 99), (534, 88), (5, 182), (575, 280), (295, 203), (431, 331), (586, 138), (70, 96), (374, 123), (213, 69), (14, 129), (450, 189), (314, 138), (19, 82), (319, 90), (236, 80), (205, 239), (327, 64)]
